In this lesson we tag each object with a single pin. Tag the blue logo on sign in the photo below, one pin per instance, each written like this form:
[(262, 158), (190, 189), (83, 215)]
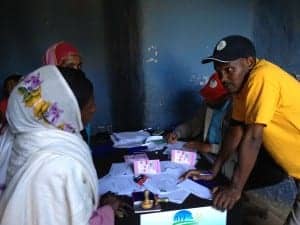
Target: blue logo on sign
[(184, 217)]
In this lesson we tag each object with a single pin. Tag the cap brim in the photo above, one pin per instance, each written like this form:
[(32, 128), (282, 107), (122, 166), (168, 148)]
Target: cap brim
[(212, 59)]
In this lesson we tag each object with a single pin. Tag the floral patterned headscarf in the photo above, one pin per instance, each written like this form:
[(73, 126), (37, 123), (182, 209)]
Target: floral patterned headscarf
[(43, 100)]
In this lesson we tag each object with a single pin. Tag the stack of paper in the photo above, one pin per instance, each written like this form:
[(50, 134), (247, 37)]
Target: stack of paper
[(120, 180), (129, 139), (155, 142)]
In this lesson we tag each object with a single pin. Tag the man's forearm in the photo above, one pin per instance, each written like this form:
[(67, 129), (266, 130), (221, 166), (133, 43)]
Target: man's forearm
[(229, 145), (248, 152)]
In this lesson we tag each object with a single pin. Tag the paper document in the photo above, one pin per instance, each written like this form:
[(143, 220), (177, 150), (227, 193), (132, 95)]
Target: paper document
[(129, 139), (121, 169), (195, 188), (119, 185), (162, 183), (177, 196), (172, 168)]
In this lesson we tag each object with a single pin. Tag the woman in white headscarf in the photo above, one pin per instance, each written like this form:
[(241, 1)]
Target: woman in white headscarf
[(51, 177)]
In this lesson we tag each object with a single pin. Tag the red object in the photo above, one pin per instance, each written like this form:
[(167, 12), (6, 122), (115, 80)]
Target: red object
[(58, 51), (64, 49), (213, 90), (3, 107)]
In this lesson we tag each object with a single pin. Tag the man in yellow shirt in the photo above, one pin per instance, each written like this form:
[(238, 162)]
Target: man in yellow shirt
[(265, 110)]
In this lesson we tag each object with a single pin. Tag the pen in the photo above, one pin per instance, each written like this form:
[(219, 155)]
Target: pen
[(205, 173)]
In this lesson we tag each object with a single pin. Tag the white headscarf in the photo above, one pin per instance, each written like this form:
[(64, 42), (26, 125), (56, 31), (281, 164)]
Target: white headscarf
[(44, 116)]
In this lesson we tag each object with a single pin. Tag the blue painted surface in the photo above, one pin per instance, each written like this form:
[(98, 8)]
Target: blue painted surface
[(277, 31), (175, 35), (29, 28), (183, 32)]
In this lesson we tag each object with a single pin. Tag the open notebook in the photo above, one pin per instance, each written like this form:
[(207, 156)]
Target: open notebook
[(193, 216)]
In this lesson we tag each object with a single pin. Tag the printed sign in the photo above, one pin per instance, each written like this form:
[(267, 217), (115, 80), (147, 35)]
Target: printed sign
[(146, 167), (183, 157)]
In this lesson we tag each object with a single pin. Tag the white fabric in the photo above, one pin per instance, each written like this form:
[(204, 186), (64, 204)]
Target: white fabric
[(52, 179), (5, 151)]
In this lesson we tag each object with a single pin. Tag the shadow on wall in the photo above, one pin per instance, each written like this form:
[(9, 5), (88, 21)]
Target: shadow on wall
[(172, 91), (122, 40), (186, 104)]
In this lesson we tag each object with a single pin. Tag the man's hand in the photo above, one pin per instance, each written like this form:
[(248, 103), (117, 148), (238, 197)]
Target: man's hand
[(225, 197), (171, 138), (197, 175), (198, 146)]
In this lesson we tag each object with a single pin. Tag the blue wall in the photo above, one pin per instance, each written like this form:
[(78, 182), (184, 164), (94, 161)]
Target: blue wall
[(175, 36), (29, 28), (277, 32), (172, 36)]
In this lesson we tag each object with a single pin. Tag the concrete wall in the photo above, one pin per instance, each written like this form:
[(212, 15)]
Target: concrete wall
[(143, 56), (175, 36), (28, 28)]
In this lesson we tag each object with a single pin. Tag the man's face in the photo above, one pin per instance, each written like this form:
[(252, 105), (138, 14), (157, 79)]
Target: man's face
[(233, 74), (71, 61)]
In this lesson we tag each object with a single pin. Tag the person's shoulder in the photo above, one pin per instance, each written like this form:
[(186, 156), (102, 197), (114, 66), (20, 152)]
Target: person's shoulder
[(62, 166), (264, 67), (266, 71)]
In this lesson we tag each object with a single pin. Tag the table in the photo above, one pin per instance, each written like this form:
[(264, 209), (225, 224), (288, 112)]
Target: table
[(104, 155)]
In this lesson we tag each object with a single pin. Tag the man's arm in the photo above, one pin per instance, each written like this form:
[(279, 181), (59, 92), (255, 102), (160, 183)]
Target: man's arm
[(230, 143), (248, 152), (249, 147)]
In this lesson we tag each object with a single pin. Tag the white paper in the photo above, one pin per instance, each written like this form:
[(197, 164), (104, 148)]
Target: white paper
[(162, 183), (121, 169), (118, 185), (177, 196), (195, 188), (172, 168), (129, 139)]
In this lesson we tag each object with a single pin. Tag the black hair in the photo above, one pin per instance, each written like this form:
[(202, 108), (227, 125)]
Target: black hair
[(12, 77), (81, 86)]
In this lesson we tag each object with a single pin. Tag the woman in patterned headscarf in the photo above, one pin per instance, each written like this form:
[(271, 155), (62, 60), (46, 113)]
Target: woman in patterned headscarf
[(65, 55), (51, 177)]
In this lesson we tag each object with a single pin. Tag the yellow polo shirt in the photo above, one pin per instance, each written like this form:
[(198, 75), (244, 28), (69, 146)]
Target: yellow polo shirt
[(272, 97)]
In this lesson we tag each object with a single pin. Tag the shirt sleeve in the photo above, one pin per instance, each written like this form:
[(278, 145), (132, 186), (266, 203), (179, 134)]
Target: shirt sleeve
[(259, 101)]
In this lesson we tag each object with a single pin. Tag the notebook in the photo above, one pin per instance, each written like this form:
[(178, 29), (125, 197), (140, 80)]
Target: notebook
[(201, 215)]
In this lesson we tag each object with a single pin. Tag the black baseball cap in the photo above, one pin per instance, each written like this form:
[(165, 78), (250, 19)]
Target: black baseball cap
[(231, 48)]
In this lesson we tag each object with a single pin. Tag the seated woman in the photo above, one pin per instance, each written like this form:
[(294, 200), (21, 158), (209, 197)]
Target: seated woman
[(64, 54), (51, 178)]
